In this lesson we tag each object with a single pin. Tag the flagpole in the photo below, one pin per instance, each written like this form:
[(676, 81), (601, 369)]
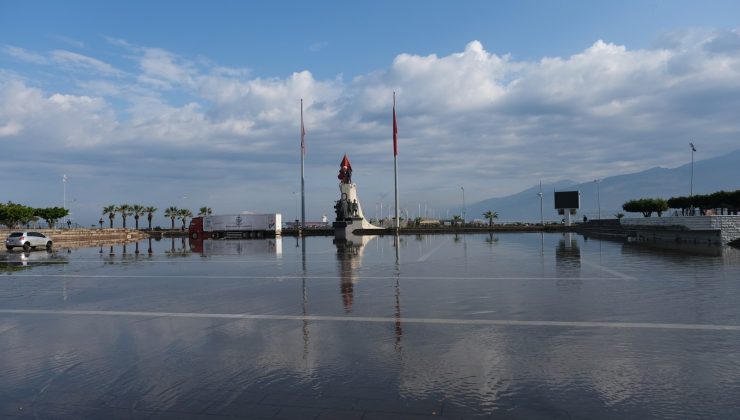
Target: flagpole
[(303, 183), (395, 158)]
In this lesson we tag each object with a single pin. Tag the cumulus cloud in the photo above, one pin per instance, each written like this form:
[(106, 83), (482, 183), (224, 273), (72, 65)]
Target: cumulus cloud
[(488, 121)]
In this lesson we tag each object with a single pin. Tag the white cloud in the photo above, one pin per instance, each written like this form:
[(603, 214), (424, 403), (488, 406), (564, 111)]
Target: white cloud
[(78, 61), (23, 55), (476, 118)]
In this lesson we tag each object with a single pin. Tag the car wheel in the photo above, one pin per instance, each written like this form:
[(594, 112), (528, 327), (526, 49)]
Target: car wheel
[(48, 246), (27, 246), (9, 248)]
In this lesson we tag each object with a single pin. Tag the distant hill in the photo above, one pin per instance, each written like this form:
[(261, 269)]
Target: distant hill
[(710, 175)]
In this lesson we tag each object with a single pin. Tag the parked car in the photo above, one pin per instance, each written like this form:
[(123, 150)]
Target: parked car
[(27, 240)]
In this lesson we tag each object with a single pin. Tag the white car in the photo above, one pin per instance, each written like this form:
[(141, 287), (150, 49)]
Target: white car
[(27, 240)]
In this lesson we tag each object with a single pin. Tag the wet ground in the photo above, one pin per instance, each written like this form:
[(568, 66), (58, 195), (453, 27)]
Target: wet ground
[(471, 326)]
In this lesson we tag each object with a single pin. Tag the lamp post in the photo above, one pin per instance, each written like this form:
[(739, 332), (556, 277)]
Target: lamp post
[(598, 196), (542, 217), (691, 186), (64, 189), (463, 205)]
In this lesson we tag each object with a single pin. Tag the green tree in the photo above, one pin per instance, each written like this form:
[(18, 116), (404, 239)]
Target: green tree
[(646, 206), (172, 212), (111, 212), (205, 211), (125, 211), (137, 210), (184, 214), (51, 214), (12, 214), (456, 219), (150, 214), (490, 215)]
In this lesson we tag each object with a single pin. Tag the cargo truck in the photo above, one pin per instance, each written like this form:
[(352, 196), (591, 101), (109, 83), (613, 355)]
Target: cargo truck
[(236, 226)]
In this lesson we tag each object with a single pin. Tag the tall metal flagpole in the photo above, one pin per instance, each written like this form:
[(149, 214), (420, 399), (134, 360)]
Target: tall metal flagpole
[(395, 158), (303, 190)]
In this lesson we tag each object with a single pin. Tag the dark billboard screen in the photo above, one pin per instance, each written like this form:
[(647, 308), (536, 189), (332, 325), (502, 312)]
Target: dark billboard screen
[(567, 200)]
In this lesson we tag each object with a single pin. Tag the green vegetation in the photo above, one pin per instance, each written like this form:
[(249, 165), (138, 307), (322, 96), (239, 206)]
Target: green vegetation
[(184, 214), (137, 210), (172, 212), (490, 215), (205, 211), (125, 211), (111, 212), (729, 200), (150, 214), (51, 214), (646, 206), (13, 214)]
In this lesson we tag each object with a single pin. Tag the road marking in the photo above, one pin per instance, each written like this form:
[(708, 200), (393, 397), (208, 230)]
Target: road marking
[(431, 252), (291, 277), (608, 270), (438, 321)]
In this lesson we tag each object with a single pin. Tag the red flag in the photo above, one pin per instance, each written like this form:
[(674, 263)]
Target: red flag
[(395, 131)]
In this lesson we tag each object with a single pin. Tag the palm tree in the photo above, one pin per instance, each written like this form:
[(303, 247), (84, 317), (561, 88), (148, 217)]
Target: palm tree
[(183, 214), (138, 210), (456, 219), (150, 214), (111, 212), (125, 211), (490, 215), (171, 212), (205, 211)]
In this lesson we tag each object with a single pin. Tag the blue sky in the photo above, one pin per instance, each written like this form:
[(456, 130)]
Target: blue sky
[(194, 103)]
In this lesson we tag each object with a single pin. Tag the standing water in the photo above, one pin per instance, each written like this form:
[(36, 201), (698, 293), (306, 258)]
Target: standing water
[(449, 326)]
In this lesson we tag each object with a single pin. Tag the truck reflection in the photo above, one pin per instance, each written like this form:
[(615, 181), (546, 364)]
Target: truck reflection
[(211, 247)]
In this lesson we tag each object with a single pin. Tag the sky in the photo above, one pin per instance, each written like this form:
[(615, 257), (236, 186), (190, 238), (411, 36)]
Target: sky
[(191, 104)]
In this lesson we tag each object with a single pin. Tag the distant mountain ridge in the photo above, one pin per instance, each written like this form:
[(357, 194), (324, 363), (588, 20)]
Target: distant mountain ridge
[(710, 175)]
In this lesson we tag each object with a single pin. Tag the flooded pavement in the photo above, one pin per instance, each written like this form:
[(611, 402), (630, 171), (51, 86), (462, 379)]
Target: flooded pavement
[(469, 326)]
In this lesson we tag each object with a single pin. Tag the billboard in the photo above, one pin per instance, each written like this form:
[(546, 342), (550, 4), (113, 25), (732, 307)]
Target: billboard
[(567, 199)]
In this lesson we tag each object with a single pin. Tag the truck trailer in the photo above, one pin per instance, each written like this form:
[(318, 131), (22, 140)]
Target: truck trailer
[(236, 226)]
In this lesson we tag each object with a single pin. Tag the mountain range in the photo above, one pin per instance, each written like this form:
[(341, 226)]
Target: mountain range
[(710, 175)]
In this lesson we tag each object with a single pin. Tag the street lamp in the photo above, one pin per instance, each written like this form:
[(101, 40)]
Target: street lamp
[(64, 188), (691, 187), (463, 204), (542, 218), (598, 196)]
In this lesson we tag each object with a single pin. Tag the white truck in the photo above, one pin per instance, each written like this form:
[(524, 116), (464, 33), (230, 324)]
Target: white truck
[(244, 225)]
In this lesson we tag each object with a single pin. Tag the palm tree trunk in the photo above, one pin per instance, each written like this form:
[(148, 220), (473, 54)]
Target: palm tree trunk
[(111, 222), (136, 219), (150, 221), (173, 223)]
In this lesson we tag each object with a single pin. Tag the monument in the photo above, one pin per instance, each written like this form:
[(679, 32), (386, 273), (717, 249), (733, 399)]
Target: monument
[(348, 210)]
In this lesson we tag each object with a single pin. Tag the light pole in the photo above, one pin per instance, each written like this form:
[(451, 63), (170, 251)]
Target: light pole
[(542, 217), (598, 196), (64, 188), (463, 204), (691, 186)]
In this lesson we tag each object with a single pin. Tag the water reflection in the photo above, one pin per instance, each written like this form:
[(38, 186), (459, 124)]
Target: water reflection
[(211, 247), (15, 261), (415, 342)]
